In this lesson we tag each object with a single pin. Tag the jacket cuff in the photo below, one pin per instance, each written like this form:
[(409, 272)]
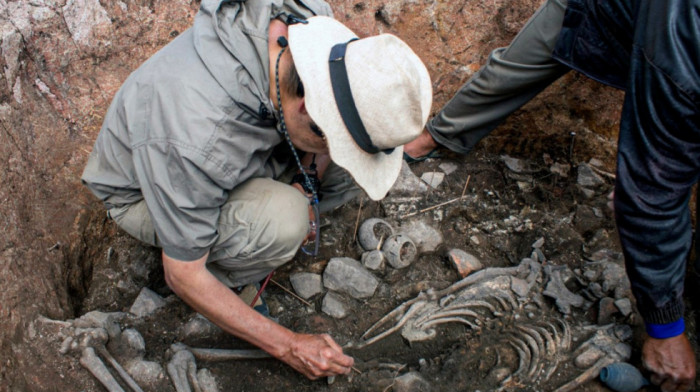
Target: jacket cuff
[(671, 312), (664, 331)]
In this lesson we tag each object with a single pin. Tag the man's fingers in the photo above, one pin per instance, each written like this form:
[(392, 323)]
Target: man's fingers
[(656, 379), (332, 342)]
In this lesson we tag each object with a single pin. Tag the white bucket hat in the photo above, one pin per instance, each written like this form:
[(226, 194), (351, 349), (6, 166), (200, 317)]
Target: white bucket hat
[(387, 92)]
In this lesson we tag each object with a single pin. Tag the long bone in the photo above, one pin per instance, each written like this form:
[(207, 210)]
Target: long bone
[(586, 376), (183, 368), (94, 365), (411, 311), (124, 375), (91, 339)]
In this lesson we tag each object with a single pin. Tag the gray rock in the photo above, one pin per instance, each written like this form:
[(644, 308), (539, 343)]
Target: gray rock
[(407, 182), (624, 305), (373, 260), (606, 310), (587, 193), (306, 284), (207, 382), (85, 17), (560, 169), (517, 165), (134, 341), (146, 373), (448, 167), (197, 328), (519, 287), (333, 306), (614, 277), (349, 276), (596, 162), (588, 178), (146, 303), (411, 382), (433, 179), (426, 237), (538, 244)]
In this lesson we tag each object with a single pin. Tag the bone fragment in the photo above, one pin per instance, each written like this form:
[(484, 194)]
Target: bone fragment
[(586, 376), (124, 375), (178, 370), (94, 364), (411, 311), (523, 355), (451, 320), (214, 354)]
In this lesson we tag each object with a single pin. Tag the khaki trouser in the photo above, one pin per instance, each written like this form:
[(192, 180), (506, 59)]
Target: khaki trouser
[(511, 77), (261, 225)]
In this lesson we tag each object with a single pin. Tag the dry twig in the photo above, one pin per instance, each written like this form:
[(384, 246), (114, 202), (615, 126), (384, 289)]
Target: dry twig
[(357, 221), (441, 204), (291, 293)]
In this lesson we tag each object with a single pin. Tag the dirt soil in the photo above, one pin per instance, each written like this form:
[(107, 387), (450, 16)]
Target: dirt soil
[(498, 220)]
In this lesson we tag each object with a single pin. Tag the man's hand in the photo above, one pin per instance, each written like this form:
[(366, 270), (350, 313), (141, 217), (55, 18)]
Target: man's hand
[(317, 356), (671, 362)]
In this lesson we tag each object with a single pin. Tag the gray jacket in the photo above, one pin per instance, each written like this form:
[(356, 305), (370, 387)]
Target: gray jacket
[(193, 122)]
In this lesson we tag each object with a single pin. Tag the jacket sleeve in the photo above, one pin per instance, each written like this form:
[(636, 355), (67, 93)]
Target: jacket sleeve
[(659, 155)]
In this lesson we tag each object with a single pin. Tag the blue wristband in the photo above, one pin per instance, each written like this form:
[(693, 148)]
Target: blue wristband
[(663, 331)]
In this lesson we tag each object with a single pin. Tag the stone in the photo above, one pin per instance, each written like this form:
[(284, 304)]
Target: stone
[(448, 167), (407, 182), (560, 169), (373, 260), (349, 276), (306, 284), (146, 373), (587, 193), (624, 305), (588, 178), (606, 310), (519, 287), (333, 305), (197, 328), (134, 342), (539, 243), (207, 382), (85, 20), (614, 277), (411, 382), (426, 237), (146, 303), (433, 179), (596, 162), (464, 263), (517, 165)]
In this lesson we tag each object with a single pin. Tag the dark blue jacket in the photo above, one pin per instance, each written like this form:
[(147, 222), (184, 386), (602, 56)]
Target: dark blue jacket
[(651, 49)]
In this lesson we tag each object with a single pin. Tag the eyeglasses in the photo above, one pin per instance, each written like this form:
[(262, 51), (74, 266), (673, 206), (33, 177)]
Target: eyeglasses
[(310, 248)]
